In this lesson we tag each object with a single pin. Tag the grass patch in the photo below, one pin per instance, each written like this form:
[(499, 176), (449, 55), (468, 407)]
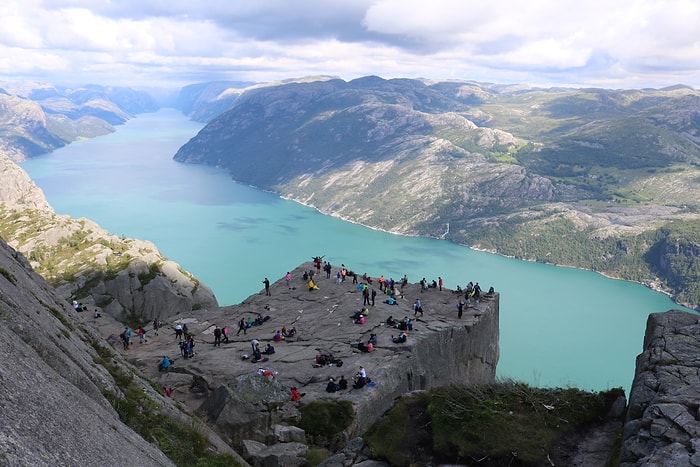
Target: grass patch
[(505, 422), (315, 456), (8, 275), (184, 444), (61, 318)]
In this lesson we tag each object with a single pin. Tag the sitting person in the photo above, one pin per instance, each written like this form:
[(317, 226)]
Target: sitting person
[(359, 382), (164, 364), (342, 383), (277, 337), (390, 321), (400, 339), (355, 316), (96, 314), (291, 333), (312, 285), (360, 320), (332, 386), (433, 284), (257, 357), (372, 339), (391, 301), (269, 350), (368, 347), (296, 395)]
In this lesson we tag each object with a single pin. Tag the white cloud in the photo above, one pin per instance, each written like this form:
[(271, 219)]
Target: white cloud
[(624, 43)]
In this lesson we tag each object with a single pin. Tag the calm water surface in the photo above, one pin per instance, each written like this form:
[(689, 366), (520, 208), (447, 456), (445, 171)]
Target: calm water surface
[(559, 326)]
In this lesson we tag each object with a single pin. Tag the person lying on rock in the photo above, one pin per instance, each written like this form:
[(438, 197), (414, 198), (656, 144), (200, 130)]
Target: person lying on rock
[(400, 339)]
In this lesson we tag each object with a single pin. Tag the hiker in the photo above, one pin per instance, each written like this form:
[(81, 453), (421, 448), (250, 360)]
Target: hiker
[(242, 327), (417, 307), (142, 335), (217, 337), (267, 286), (224, 333), (156, 326)]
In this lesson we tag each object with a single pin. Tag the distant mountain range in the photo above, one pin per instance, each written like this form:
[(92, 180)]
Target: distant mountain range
[(36, 118), (592, 178)]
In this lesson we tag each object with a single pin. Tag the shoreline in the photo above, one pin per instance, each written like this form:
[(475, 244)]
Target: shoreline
[(650, 286)]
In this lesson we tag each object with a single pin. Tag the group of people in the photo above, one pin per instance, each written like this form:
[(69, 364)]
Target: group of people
[(403, 325)]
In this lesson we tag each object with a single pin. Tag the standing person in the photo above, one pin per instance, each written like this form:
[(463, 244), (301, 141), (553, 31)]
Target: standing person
[(440, 283), (374, 295), (267, 286), (288, 279), (460, 308), (142, 335), (417, 307), (241, 327), (224, 333), (156, 326), (127, 336), (217, 337), (178, 331), (365, 294)]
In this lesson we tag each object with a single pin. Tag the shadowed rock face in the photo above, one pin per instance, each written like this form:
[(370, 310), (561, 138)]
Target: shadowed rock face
[(662, 426), (442, 349), (53, 410)]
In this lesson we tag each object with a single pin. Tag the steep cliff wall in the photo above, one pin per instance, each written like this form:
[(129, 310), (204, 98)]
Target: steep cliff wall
[(662, 426), (53, 410)]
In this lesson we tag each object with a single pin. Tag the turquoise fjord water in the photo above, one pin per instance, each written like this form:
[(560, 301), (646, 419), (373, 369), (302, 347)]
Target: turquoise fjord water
[(559, 326)]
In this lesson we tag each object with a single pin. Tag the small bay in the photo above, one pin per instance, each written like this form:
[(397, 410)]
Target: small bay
[(559, 326)]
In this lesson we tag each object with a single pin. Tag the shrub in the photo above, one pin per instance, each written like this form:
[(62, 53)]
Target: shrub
[(326, 418)]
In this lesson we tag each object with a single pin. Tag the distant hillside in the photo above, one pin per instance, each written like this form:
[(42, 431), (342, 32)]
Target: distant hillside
[(592, 178), (36, 118)]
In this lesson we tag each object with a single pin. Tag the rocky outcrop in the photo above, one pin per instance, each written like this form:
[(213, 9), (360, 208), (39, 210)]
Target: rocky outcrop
[(662, 426), (54, 408), (124, 277), (243, 403)]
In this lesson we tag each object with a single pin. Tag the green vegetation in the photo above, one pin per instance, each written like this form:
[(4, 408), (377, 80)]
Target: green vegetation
[(62, 318), (504, 422), (319, 418), (8, 275), (183, 444)]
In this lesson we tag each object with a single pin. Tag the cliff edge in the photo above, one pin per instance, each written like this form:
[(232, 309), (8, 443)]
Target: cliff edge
[(662, 426)]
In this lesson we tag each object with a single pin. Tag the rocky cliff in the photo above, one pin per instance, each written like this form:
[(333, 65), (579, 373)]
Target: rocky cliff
[(442, 349), (56, 387), (126, 278), (662, 426)]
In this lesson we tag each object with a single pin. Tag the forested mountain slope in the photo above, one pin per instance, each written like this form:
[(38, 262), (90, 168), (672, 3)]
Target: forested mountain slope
[(591, 178)]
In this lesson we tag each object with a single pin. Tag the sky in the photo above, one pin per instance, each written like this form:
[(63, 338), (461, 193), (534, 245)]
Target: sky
[(172, 43)]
